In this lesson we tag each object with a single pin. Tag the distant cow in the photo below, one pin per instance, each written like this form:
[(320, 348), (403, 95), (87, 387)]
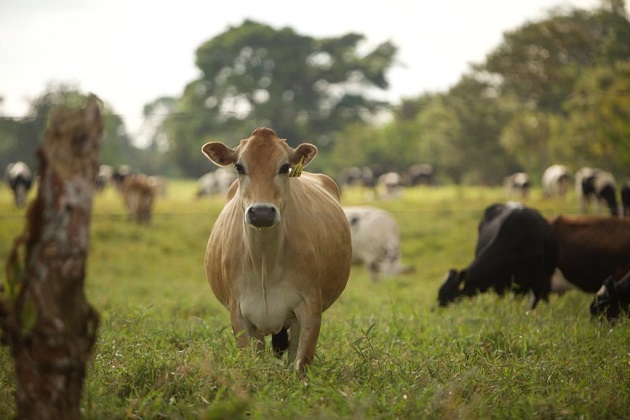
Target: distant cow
[(20, 180), (280, 251), (375, 241), (625, 199), (517, 185), (390, 184), (119, 176), (420, 174), (138, 195), (596, 185), (354, 176), (516, 246), (613, 299), (216, 182), (591, 248), (556, 181), (105, 174)]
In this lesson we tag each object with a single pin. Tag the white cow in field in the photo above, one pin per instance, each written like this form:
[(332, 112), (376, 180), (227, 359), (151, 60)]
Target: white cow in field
[(216, 182), (390, 185), (280, 251), (556, 181), (375, 241), (517, 185)]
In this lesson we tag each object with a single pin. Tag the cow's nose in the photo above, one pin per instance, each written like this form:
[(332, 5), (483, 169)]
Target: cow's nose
[(262, 215)]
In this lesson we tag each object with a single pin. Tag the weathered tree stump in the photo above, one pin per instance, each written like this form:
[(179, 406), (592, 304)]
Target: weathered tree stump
[(44, 314)]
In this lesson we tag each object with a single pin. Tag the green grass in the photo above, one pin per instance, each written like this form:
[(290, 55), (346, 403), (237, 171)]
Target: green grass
[(166, 350)]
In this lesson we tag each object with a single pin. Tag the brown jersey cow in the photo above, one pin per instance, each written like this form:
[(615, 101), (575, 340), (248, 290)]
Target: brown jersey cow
[(279, 253)]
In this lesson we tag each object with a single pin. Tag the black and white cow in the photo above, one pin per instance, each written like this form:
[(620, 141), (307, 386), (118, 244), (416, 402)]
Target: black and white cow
[(20, 180), (516, 248), (598, 186), (613, 299), (517, 185), (420, 174), (216, 182), (555, 181)]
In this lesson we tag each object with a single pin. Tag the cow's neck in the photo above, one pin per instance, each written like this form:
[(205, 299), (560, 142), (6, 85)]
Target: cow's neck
[(263, 247)]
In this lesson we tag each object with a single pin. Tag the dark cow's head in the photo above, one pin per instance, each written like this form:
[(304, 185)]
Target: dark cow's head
[(612, 299), (451, 288)]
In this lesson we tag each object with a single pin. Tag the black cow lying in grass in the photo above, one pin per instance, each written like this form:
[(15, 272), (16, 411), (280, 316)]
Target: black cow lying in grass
[(613, 299), (516, 249)]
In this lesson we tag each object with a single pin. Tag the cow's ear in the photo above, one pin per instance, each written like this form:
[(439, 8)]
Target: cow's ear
[(219, 153), (304, 152)]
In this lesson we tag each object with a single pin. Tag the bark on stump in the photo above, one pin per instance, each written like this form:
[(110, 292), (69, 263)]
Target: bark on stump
[(44, 314)]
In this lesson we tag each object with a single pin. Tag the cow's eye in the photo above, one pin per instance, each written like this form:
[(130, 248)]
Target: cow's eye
[(240, 169), (284, 169)]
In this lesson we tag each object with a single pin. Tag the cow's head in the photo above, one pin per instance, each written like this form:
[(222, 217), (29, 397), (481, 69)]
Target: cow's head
[(451, 288), (610, 300), (264, 163)]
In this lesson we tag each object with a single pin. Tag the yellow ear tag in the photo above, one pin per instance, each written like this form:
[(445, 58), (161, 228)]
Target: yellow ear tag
[(298, 168)]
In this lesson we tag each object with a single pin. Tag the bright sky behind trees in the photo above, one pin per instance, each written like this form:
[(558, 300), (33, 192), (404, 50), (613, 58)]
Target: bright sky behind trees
[(131, 52)]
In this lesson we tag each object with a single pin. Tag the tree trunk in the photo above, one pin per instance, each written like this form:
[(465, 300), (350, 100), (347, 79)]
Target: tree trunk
[(47, 320)]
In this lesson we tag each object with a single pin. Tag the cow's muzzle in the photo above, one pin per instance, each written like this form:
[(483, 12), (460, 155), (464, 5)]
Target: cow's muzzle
[(262, 215)]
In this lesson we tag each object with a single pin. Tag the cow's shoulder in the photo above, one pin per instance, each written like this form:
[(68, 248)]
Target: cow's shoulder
[(323, 181)]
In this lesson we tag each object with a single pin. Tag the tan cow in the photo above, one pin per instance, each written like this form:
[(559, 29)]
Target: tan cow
[(280, 251), (138, 195)]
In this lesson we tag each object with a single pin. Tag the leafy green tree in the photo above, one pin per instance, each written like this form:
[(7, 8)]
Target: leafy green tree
[(543, 68), (22, 136), (252, 75), (481, 116), (596, 130)]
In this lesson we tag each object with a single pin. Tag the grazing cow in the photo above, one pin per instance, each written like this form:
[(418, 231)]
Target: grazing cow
[(556, 181), (591, 248), (119, 176), (517, 185), (158, 183), (104, 176), (515, 246), (216, 182), (598, 186), (613, 298), (355, 176), (280, 251), (625, 199), (375, 241), (391, 184), (20, 180), (420, 174), (138, 195)]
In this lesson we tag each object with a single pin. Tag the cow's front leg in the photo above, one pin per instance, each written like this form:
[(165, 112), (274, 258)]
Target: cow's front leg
[(309, 318), (239, 326), (243, 331)]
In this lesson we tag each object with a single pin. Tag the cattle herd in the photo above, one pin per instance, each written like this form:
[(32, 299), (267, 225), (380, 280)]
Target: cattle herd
[(280, 252), (138, 191), (519, 249)]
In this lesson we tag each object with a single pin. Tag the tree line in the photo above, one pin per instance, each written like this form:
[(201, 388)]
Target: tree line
[(556, 90)]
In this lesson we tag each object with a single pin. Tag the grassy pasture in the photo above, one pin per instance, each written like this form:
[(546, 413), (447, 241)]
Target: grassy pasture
[(165, 347)]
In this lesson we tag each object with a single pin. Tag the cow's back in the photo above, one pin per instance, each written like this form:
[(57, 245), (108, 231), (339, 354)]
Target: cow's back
[(592, 248)]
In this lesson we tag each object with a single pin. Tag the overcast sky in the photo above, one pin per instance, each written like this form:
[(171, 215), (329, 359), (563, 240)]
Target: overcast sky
[(129, 52)]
